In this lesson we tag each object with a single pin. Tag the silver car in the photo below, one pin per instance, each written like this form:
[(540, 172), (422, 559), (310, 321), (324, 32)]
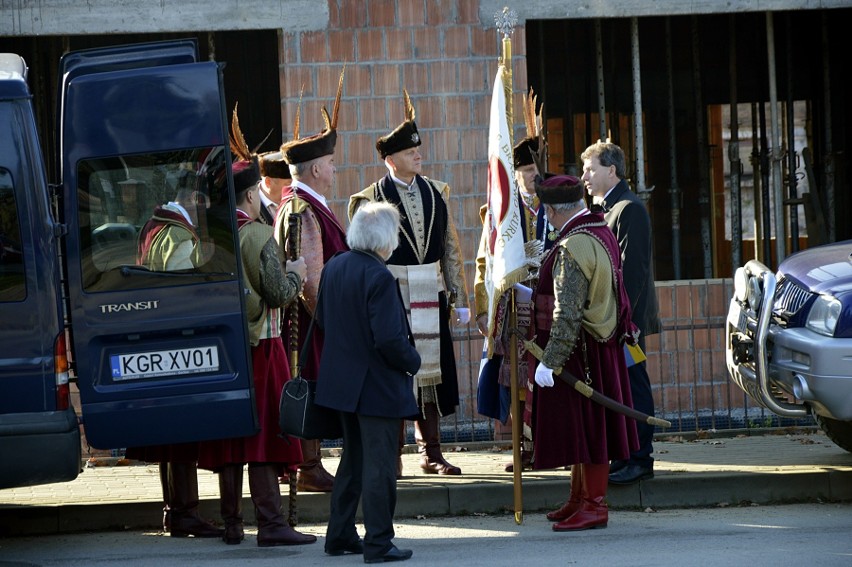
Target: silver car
[(789, 337)]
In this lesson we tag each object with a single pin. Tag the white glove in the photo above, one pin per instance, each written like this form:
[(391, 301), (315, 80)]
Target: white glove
[(462, 315), (544, 376)]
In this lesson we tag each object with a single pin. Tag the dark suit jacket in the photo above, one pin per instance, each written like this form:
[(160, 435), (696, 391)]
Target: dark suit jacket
[(368, 357), (628, 218)]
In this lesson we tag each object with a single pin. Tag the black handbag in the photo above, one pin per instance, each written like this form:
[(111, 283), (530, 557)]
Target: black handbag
[(298, 414)]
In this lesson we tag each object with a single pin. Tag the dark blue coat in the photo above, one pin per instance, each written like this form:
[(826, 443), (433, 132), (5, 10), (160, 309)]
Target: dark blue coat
[(368, 358)]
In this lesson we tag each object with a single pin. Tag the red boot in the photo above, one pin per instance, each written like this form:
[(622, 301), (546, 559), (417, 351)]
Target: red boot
[(593, 512), (574, 501)]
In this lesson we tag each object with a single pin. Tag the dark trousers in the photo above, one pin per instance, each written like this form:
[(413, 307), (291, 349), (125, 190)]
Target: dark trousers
[(643, 400), (367, 472)]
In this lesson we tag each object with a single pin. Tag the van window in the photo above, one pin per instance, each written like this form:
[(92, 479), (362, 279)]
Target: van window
[(12, 281), (154, 220)]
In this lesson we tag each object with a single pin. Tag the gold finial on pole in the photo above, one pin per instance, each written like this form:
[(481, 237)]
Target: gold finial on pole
[(506, 20)]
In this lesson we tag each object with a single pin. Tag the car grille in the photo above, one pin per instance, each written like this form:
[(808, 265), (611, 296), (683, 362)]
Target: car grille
[(789, 298)]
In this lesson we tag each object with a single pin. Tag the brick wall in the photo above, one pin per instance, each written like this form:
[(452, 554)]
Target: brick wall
[(439, 51)]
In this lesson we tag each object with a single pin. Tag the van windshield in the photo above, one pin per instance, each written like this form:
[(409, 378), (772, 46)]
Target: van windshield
[(154, 220)]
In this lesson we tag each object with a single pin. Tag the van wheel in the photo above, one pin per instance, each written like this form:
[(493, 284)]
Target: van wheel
[(838, 431)]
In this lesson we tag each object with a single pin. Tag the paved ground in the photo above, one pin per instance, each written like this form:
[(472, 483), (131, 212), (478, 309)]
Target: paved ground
[(799, 465)]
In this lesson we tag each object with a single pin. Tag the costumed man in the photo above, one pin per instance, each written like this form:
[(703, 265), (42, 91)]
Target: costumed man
[(274, 177), (169, 241), (494, 384), (311, 162), (428, 265), (269, 287), (582, 318)]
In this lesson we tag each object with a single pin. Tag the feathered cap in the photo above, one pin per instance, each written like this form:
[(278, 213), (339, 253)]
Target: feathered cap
[(245, 169), (300, 150), (533, 148), (273, 164), (405, 136), (559, 189)]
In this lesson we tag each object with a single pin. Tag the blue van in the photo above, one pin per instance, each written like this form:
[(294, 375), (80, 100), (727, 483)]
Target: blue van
[(159, 352)]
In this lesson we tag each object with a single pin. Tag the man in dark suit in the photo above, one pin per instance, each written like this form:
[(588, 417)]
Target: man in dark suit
[(604, 179), (366, 372)]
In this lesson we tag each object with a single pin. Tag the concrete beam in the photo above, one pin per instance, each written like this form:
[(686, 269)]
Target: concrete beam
[(61, 17), (583, 9)]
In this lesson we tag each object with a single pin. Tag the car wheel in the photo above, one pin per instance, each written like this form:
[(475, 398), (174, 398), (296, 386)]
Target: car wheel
[(838, 431)]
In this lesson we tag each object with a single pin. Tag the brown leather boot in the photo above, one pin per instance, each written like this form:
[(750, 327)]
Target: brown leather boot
[(574, 500), (185, 521), (272, 528), (164, 483), (593, 512), (231, 503), (427, 433), (312, 475)]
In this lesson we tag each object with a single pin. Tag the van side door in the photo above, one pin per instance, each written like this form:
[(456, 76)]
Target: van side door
[(153, 272)]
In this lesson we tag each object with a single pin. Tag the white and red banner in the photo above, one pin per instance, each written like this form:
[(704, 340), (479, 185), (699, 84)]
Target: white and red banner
[(505, 262)]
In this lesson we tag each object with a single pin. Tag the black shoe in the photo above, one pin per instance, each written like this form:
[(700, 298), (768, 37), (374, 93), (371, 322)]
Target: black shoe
[(616, 466), (393, 554), (631, 474), (355, 547)]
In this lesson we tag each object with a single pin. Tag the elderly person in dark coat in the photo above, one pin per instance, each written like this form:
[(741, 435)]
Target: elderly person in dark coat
[(366, 371)]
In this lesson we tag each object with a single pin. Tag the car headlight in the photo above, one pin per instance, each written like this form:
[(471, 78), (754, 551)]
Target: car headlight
[(754, 293), (740, 284), (824, 315)]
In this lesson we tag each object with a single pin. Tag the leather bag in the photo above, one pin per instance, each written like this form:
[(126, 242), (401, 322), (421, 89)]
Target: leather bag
[(298, 414)]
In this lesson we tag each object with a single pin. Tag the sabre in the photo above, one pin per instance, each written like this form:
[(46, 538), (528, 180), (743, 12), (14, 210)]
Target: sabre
[(294, 248), (590, 392)]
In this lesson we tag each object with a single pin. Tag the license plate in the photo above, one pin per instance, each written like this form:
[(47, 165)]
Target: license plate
[(737, 317), (158, 363)]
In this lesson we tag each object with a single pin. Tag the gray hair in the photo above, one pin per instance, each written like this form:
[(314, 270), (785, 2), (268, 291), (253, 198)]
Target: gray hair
[(374, 228), (608, 154), (299, 169), (563, 207)]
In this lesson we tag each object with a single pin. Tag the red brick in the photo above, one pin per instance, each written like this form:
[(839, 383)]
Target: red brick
[(519, 41), (474, 145), (341, 45), (485, 42), (373, 114), (468, 12), (352, 14), (328, 77), (358, 80), (362, 149), (347, 120), (370, 45), (665, 293), (399, 42), (296, 77), (440, 12), (472, 76), (333, 14), (314, 47), (347, 182), (456, 41), (444, 145), (311, 121), (444, 79), (462, 174), (481, 109), (381, 13), (411, 12), (458, 111), (415, 78), (386, 80), (519, 75), (427, 43), (430, 111), (288, 49), (470, 208)]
